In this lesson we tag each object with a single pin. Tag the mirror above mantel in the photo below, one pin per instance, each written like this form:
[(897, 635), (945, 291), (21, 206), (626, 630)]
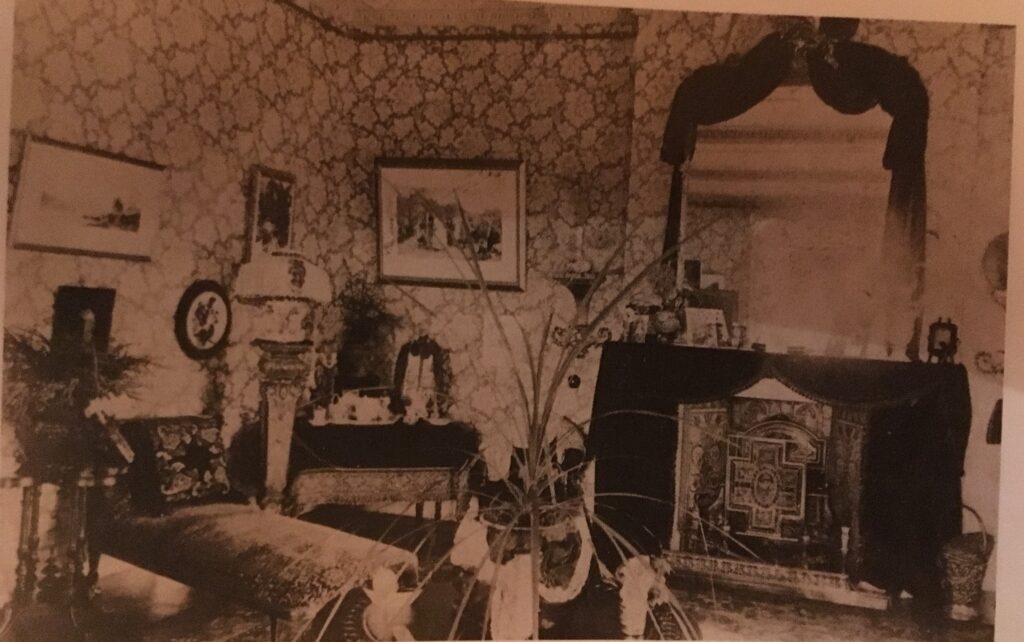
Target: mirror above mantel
[(801, 164), (787, 202)]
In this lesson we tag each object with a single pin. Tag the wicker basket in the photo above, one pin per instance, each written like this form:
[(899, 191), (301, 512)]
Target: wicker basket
[(965, 558)]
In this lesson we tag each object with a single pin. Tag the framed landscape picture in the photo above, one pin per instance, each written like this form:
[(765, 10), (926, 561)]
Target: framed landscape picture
[(438, 216), (269, 211), (80, 201)]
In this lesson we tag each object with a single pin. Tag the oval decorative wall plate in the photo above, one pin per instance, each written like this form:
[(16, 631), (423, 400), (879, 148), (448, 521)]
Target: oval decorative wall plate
[(203, 319)]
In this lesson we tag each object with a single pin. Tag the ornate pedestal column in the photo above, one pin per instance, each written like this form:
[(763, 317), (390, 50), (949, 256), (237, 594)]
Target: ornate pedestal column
[(284, 371), (285, 289)]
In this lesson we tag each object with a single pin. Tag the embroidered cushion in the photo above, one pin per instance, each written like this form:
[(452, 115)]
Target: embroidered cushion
[(178, 461), (190, 463)]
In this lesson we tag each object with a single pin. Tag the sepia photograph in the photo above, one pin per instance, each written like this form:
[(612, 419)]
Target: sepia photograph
[(338, 320)]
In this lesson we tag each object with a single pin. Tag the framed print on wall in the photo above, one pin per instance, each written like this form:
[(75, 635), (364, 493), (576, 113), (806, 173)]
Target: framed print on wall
[(434, 213), (75, 200), (268, 211)]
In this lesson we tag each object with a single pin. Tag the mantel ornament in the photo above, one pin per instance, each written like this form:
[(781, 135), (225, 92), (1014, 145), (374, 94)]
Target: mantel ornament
[(579, 284), (943, 341)]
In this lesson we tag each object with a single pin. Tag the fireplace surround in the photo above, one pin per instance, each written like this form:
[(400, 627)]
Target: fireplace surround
[(768, 493), (797, 474)]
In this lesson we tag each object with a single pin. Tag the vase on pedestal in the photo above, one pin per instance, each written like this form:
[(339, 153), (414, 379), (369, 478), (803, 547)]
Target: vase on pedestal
[(285, 289)]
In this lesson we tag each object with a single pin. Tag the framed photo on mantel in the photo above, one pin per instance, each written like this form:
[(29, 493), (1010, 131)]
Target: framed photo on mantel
[(75, 200), (437, 217)]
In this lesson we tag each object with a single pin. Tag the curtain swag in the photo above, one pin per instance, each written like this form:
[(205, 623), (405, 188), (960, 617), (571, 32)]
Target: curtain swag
[(850, 77)]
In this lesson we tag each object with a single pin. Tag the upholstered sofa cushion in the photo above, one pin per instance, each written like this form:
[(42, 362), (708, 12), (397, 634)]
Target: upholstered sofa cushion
[(190, 462), (178, 461), (280, 565)]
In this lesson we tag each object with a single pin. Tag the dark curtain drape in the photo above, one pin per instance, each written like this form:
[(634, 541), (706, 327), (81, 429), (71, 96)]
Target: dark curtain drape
[(919, 421), (851, 78), (718, 92), (714, 94)]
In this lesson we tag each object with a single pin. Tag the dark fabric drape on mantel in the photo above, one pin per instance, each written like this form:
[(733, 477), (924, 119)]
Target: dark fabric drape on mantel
[(714, 94), (719, 92), (919, 421), (850, 77), (857, 78)]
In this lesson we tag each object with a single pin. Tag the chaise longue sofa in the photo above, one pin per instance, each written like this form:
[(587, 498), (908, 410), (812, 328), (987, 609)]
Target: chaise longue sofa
[(172, 512)]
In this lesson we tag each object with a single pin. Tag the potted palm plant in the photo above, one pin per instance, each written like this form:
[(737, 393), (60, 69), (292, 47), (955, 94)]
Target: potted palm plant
[(365, 353), (539, 531), (47, 388), (525, 553)]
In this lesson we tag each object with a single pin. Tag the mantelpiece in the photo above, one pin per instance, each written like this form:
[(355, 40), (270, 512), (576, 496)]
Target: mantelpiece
[(861, 460)]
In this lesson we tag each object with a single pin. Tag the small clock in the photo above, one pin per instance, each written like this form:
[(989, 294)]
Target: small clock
[(203, 320)]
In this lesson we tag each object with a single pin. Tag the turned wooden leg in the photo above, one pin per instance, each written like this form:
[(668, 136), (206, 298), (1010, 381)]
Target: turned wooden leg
[(28, 546), (43, 604)]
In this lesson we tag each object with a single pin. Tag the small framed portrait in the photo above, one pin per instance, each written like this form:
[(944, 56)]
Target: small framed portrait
[(203, 320), (269, 211), (82, 318)]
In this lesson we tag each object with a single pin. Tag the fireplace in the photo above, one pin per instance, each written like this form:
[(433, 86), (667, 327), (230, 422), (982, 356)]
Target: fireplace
[(768, 493), (797, 474)]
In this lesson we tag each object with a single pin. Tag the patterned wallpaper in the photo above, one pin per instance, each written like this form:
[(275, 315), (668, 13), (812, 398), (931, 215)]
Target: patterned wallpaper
[(563, 107), (209, 88), (206, 89)]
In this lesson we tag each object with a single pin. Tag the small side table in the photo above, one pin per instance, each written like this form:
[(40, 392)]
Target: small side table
[(351, 464), (55, 569)]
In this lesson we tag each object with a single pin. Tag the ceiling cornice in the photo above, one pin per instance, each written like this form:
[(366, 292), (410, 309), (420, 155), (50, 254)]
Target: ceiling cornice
[(465, 20)]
